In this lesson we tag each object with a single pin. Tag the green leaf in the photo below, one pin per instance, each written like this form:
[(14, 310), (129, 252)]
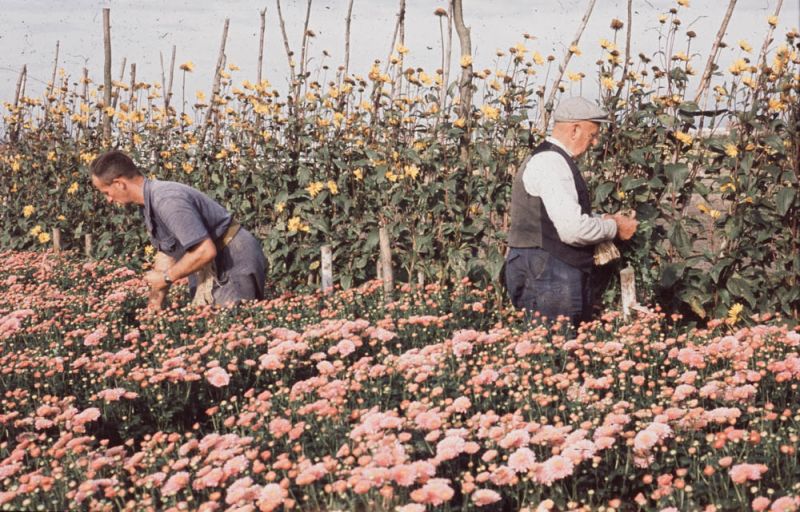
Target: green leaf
[(602, 191), (677, 174), (740, 287), (784, 199), (671, 274)]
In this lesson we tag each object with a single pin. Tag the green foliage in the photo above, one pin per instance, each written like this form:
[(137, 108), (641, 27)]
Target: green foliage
[(715, 191)]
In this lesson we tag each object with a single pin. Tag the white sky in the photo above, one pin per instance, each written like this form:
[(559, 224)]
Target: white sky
[(141, 29)]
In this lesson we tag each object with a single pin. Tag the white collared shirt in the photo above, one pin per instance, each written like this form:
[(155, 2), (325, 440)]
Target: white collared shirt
[(549, 177)]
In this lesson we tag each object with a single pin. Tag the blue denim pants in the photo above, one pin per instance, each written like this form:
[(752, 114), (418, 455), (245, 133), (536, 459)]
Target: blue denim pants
[(539, 282)]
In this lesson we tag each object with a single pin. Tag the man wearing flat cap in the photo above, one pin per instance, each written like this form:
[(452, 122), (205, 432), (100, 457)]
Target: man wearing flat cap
[(553, 233)]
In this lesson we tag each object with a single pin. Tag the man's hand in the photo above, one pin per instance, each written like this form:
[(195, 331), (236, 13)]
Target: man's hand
[(156, 280), (626, 226)]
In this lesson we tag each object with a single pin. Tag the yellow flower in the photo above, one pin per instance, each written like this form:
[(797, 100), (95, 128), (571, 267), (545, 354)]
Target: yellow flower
[(314, 188), (609, 83), (775, 105), (728, 187), (233, 67), (731, 151), (683, 3), (460, 122), (333, 187), (574, 50), (662, 18), (222, 154), (744, 45), (703, 208), (61, 218), (575, 77), (35, 230), (73, 188), (412, 171), (681, 56), (51, 155), (537, 58), (684, 137), (738, 66), (490, 112), (110, 111), (466, 61), (402, 50), (28, 210), (201, 96), (187, 66), (279, 207), (607, 45), (187, 167), (715, 214), (148, 250), (734, 312), (391, 176), (773, 20), (520, 48), (44, 238), (295, 225), (621, 194), (358, 173)]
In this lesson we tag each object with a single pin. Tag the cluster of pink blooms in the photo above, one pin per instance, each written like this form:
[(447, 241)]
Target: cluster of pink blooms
[(295, 405)]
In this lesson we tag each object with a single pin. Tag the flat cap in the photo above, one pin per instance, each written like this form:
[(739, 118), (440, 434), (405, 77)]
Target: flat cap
[(579, 109)]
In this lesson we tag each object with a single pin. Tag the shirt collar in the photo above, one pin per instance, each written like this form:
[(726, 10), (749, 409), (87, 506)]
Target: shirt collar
[(555, 141)]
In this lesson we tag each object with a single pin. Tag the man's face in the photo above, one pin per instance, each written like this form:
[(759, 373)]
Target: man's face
[(585, 136), (115, 192)]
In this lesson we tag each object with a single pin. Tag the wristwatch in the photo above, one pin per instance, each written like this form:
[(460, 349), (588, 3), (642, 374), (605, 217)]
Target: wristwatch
[(167, 279)]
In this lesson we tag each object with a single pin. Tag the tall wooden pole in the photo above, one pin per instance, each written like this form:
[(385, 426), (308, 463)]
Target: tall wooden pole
[(263, 14), (347, 21), (217, 75), (714, 50), (548, 105), (107, 72)]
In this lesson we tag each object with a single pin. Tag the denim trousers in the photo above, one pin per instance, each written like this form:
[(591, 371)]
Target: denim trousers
[(539, 282)]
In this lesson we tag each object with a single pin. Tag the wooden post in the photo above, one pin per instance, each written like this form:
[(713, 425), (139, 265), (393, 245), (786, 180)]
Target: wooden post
[(545, 118), (712, 56), (465, 83), (52, 83), (263, 14), (87, 245), (627, 281), (121, 78), (131, 102), (18, 96), (347, 37), (327, 268), (107, 71), (215, 87), (168, 92), (57, 239), (386, 262)]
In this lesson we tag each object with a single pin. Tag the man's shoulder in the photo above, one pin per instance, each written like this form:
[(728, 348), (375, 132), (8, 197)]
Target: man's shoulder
[(545, 159), (171, 190)]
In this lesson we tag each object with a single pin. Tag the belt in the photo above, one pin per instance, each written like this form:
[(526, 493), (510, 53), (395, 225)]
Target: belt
[(226, 237)]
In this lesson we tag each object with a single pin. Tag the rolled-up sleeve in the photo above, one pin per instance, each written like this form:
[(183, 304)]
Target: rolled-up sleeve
[(183, 219), (549, 177)]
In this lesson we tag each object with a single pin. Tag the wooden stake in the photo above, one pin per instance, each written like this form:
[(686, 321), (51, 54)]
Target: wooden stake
[(304, 48), (347, 37), (563, 67), (107, 71), (168, 92), (628, 288), (289, 52), (87, 245), (263, 14), (121, 78), (548, 105), (57, 239), (386, 262), (215, 88), (465, 84), (52, 83), (327, 268), (132, 97), (714, 50)]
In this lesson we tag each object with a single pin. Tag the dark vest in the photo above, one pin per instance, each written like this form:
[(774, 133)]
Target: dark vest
[(532, 227)]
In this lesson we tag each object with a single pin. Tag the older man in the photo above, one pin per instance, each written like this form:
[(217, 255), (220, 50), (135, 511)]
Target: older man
[(195, 236), (553, 232)]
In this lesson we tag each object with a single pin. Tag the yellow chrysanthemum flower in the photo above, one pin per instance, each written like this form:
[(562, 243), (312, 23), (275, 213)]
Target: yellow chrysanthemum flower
[(314, 188), (28, 210), (731, 151), (44, 238)]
